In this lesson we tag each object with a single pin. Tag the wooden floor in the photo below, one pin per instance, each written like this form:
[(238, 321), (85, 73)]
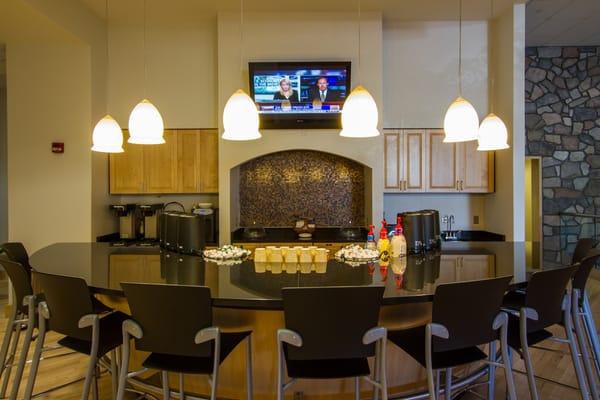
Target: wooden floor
[(549, 365)]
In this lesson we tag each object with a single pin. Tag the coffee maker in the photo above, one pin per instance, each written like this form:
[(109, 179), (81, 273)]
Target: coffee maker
[(150, 226), (129, 221)]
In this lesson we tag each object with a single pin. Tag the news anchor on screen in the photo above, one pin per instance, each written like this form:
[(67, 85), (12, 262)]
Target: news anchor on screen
[(321, 92), (286, 92)]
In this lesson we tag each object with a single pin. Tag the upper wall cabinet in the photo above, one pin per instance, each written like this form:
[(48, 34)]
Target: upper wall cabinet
[(417, 160), (186, 163)]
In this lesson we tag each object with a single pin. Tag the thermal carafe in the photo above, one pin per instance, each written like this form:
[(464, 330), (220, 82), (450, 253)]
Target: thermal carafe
[(191, 236), (170, 229), (413, 231)]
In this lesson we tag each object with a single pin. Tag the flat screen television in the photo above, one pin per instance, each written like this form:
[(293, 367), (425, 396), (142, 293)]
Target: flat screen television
[(300, 95)]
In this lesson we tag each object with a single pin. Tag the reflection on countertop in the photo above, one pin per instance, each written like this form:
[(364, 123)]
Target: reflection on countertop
[(258, 286)]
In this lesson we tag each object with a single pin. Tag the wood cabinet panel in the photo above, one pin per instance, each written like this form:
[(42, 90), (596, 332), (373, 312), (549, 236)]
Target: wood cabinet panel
[(473, 267), (414, 166), (160, 165), (208, 156), (127, 169), (391, 161), (476, 169), (188, 173), (442, 164)]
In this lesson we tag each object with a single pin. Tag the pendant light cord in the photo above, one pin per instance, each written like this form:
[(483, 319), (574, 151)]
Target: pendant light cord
[(359, 48), (107, 83), (242, 37), (145, 56), (492, 80), (460, 48)]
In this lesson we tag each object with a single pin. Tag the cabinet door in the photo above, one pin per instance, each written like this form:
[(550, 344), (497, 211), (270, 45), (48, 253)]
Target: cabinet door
[(391, 161), (208, 161), (160, 165), (188, 170), (442, 164), (413, 161), (448, 269), (476, 169), (473, 267), (127, 169)]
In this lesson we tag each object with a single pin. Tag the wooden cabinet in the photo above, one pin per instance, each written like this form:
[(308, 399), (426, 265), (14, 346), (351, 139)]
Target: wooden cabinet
[(418, 160), (134, 268), (466, 267), (404, 160), (186, 163)]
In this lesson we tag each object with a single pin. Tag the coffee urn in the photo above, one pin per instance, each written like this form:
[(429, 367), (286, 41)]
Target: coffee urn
[(431, 229), (413, 231)]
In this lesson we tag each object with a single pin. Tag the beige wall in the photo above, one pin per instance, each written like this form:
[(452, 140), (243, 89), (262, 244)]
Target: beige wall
[(505, 208), (49, 99), (3, 133), (420, 70), (260, 43)]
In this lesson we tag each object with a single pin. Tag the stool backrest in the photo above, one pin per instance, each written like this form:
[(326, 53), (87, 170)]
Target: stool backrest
[(331, 320), (16, 252), (545, 294), (68, 300), (170, 317), (467, 310), (583, 271), (20, 281), (582, 248)]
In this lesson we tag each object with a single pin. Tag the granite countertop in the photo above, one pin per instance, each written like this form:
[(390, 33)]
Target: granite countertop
[(251, 285), (288, 235)]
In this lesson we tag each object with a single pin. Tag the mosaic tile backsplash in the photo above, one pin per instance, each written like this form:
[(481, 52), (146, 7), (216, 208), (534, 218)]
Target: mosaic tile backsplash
[(276, 187)]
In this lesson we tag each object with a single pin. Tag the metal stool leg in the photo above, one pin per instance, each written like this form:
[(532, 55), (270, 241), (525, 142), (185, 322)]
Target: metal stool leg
[(24, 351), (377, 372), (492, 370), (567, 319), (95, 383), (448, 386), (181, 391), (35, 362), (165, 385), (10, 328), (114, 373), (580, 336), (249, 384), (590, 327), (11, 360), (356, 388)]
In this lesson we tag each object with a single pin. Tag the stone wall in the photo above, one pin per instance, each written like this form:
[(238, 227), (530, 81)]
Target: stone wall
[(562, 106)]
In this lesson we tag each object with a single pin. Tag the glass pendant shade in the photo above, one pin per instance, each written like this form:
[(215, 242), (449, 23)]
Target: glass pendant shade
[(107, 136), (493, 134), (240, 118), (145, 124), (359, 115), (461, 123)]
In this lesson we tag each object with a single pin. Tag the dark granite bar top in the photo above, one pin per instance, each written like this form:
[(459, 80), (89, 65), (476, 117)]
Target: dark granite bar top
[(251, 285), (288, 235)]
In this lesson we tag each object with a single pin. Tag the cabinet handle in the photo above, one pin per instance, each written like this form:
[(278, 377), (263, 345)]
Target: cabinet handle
[(404, 182), (461, 186), (457, 185)]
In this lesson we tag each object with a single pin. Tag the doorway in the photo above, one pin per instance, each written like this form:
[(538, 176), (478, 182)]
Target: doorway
[(533, 211)]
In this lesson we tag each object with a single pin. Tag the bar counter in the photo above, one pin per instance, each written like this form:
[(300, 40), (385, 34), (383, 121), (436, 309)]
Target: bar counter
[(247, 296)]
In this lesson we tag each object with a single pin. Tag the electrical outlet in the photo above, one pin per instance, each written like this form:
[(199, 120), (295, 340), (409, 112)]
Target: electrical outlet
[(475, 219)]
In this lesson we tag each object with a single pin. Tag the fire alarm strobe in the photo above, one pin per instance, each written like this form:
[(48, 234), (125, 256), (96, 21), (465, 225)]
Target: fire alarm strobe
[(58, 147)]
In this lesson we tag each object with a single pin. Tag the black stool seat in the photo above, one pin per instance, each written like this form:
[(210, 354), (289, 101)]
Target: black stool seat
[(514, 340), (327, 369), (195, 365), (111, 336), (412, 341)]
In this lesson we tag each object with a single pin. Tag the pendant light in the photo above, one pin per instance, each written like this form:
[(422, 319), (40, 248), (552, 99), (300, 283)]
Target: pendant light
[(461, 123), (240, 115), (493, 134), (359, 112), (107, 136), (145, 122)]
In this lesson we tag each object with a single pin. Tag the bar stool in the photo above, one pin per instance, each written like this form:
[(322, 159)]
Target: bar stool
[(68, 309), (544, 304), (15, 251), (582, 248), (174, 323), (22, 317), (580, 313), (329, 334), (465, 315)]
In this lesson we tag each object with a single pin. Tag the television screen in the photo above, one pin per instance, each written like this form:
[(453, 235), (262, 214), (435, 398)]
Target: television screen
[(299, 94)]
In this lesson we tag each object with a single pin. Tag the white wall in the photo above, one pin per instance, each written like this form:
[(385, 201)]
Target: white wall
[(333, 37), (420, 70), (463, 206), (505, 208), (49, 99)]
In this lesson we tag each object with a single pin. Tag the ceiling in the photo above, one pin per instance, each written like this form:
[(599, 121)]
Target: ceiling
[(563, 23), (391, 9)]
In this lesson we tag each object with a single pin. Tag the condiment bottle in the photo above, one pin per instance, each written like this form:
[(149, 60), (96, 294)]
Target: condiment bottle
[(371, 245), (383, 245), (398, 245)]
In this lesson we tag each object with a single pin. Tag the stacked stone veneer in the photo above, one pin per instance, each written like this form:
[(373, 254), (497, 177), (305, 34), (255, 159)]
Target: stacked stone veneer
[(562, 106)]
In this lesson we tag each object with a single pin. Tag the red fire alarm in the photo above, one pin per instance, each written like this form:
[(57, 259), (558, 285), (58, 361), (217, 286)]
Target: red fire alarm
[(58, 147)]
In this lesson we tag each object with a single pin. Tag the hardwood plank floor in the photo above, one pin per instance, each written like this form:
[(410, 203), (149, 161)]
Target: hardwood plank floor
[(551, 365)]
